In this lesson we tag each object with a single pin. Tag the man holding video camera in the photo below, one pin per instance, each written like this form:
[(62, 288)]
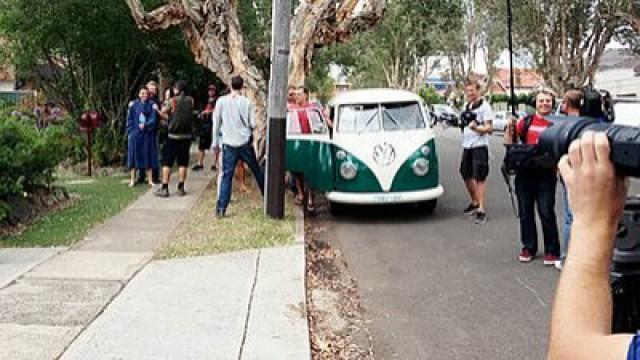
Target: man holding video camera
[(474, 167), (582, 312), (536, 184)]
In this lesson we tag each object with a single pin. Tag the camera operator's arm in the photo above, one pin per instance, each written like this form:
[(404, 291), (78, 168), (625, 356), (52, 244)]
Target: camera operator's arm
[(581, 318)]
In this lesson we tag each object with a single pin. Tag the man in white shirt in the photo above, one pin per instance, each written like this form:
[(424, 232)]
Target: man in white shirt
[(234, 117), (474, 166)]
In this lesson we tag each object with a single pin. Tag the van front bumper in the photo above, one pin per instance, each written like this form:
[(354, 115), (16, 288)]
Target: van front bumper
[(385, 198)]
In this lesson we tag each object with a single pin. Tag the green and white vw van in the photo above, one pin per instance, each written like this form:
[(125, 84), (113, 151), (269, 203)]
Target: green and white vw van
[(381, 151)]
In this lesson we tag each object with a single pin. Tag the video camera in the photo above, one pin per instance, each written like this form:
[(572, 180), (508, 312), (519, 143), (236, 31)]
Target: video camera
[(625, 155), (624, 141), (466, 117)]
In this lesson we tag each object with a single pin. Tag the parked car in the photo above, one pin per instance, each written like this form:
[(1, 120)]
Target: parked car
[(431, 115), (382, 151), (445, 114), (502, 120)]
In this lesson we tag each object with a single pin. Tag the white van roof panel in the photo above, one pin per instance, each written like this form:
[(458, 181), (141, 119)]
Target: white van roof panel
[(373, 96)]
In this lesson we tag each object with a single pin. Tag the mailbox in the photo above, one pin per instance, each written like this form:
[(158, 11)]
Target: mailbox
[(89, 121)]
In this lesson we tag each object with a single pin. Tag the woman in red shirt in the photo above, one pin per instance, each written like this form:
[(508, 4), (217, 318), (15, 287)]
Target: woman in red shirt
[(536, 187)]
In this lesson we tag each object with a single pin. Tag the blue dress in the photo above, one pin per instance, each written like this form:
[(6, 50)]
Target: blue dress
[(634, 348), (142, 144)]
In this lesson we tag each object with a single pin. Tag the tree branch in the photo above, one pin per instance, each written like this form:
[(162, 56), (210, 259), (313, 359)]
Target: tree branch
[(158, 19), (630, 19), (348, 21)]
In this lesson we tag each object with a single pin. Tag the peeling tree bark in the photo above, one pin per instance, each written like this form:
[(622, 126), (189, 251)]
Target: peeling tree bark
[(212, 30)]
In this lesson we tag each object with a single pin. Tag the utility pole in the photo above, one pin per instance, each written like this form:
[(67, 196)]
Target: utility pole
[(511, 77), (277, 110)]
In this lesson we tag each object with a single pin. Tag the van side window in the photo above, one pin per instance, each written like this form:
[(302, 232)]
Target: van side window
[(293, 123), (317, 123), (358, 118)]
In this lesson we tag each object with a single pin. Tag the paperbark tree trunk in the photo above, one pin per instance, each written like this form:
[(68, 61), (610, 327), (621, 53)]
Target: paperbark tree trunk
[(212, 30)]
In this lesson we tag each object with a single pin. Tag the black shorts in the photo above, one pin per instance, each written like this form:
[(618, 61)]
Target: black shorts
[(176, 149), (475, 163), (204, 141)]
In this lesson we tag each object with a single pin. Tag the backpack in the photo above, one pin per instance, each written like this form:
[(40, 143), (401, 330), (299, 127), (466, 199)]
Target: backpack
[(181, 122)]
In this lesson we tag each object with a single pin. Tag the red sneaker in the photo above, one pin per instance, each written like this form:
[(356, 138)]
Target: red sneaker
[(525, 256), (550, 260)]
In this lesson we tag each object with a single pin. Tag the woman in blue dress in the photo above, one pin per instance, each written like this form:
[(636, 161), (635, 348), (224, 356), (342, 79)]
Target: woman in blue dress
[(142, 154)]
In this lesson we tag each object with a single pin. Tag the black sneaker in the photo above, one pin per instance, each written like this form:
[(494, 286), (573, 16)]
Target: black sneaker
[(197, 167), (480, 218), (162, 192), (471, 209), (220, 213), (181, 192)]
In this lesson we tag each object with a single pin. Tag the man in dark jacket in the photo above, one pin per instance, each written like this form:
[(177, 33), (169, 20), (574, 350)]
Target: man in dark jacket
[(180, 110)]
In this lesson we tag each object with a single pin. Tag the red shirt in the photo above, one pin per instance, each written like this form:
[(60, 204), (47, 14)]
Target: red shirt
[(538, 125), (303, 118)]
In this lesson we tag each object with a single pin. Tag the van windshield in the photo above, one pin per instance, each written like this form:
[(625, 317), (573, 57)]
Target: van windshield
[(359, 118), (402, 116)]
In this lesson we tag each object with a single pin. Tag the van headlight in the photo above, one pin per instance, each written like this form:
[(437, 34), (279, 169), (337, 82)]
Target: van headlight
[(425, 151), (348, 170), (420, 167)]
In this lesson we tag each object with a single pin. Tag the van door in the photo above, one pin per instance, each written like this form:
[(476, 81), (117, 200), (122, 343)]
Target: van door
[(309, 147)]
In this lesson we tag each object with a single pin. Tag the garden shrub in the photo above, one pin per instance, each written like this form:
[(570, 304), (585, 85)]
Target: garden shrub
[(28, 157)]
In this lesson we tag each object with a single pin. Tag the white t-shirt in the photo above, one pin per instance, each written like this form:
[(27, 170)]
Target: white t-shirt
[(473, 139)]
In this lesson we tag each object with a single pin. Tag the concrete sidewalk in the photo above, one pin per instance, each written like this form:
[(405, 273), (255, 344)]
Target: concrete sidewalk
[(245, 305), (105, 299)]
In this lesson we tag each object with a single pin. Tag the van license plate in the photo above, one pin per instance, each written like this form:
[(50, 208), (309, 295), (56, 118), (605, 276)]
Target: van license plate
[(387, 198)]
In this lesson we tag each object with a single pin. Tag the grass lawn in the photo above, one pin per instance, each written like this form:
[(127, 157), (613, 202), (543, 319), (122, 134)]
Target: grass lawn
[(244, 227), (98, 200)]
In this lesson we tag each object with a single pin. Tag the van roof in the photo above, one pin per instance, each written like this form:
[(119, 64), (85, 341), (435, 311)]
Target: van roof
[(373, 96)]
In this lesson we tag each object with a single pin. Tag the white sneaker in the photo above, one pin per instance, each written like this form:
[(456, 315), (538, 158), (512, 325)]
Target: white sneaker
[(558, 265)]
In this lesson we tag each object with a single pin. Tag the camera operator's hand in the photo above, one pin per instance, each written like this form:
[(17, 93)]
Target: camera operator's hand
[(581, 319), (596, 193)]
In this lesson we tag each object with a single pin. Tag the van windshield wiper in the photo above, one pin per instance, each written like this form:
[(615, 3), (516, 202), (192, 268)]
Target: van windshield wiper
[(366, 125)]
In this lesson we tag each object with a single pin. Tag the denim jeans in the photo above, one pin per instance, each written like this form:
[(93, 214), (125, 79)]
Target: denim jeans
[(538, 188), (568, 220), (230, 157)]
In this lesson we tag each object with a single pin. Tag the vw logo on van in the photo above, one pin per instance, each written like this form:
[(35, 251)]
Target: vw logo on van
[(384, 154)]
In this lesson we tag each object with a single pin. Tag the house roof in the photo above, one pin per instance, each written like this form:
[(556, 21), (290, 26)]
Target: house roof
[(523, 78), (619, 59)]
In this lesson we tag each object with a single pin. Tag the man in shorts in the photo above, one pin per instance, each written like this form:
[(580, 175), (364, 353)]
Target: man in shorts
[(474, 166), (180, 111)]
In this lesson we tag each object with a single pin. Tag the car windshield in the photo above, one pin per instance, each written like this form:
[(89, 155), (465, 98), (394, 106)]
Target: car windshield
[(359, 118), (399, 116), (296, 119)]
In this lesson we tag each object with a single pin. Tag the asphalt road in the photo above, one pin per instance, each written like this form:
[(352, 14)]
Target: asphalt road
[(441, 287)]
